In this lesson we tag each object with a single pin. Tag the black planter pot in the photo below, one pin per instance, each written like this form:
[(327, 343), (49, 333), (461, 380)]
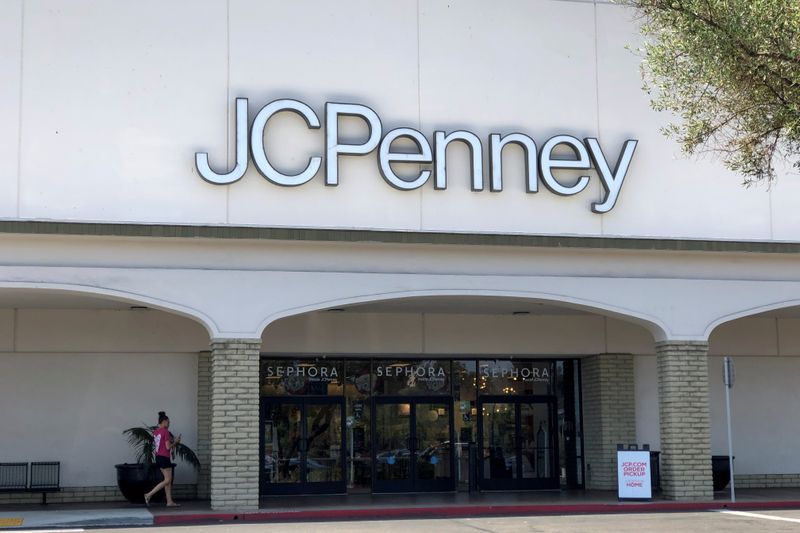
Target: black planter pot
[(134, 480), (720, 471)]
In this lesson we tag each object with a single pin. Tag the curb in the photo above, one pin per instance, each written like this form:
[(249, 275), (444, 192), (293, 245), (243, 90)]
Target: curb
[(462, 511)]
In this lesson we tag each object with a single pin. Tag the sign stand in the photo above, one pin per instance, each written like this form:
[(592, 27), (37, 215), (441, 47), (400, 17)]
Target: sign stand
[(728, 376), (633, 473)]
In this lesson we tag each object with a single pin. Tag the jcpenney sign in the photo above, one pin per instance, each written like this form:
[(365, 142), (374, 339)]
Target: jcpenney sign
[(540, 163)]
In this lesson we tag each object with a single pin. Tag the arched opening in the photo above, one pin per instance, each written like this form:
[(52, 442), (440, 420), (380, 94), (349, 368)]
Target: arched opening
[(764, 345), (78, 368), (518, 382), (527, 302)]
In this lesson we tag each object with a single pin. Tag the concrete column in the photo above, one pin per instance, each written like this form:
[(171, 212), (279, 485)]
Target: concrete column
[(203, 448), (234, 424), (609, 416), (684, 420)]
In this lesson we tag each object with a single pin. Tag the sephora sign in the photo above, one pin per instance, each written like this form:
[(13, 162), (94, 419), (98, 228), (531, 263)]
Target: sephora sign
[(540, 163)]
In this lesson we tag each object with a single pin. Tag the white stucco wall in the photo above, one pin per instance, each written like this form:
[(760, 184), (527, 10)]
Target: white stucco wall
[(765, 401), (645, 386), (72, 380), (764, 406), (117, 142), (238, 288)]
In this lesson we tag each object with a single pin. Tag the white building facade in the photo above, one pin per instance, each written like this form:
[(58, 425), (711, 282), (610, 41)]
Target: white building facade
[(239, 212)]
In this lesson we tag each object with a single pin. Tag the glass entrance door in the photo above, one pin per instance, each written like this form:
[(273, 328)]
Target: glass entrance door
[(516, 441), (413, 445), (302, 445), (392, 447), (433, 446)]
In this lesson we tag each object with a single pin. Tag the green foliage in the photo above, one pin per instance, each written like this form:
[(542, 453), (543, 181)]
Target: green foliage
[(141, 439), (730, 69)]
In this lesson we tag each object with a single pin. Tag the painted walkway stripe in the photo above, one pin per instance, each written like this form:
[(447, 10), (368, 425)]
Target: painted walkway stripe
[(53, 530), (459, 511), (763, 516)]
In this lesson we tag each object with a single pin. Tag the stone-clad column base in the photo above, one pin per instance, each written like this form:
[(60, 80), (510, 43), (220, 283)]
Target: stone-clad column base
[(608, 414), (234, 424), (684, 420), (203, 448)]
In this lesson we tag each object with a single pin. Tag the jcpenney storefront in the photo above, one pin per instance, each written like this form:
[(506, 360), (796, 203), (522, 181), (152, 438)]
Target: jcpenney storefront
[(331, 425), (376, 247)]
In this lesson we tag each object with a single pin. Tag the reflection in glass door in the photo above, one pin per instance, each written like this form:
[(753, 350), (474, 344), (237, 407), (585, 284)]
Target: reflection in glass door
[(302, 446), (536, 452), (516, 439), (282, 442), (433, 446), (413, 445), (323, 442), (499, 440), (393, 445)]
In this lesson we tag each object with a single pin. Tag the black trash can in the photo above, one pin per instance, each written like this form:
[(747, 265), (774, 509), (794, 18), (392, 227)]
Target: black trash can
[(655, 471), (720, 471)]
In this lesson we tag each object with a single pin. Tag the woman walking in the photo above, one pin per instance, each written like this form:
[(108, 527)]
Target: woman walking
[(163, 443)]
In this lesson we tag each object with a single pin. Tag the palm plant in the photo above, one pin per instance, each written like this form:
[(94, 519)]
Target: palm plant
[(141, 439)]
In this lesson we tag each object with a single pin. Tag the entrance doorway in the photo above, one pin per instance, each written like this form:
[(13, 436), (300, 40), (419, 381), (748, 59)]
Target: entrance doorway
[(413, 444), (517, 444), (303, 447), (331, 425)]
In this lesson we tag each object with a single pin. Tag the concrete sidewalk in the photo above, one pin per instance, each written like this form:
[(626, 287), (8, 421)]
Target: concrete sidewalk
[(375, 506)]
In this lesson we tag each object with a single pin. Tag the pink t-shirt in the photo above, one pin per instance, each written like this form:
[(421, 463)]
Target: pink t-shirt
[(161, 437)]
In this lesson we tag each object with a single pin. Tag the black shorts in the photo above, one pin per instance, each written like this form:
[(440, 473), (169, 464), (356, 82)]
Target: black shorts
[(163, 462)]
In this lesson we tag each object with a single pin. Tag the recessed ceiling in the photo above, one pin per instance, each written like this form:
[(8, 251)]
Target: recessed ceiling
[(468, 305), (788, 312), (53, 299)]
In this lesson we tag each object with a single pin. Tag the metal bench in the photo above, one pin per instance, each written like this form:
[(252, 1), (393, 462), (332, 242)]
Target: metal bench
[(13, 477), (37, 477)]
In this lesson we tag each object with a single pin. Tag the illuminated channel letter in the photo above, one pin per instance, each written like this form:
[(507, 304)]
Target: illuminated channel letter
[(611, 180), (257, 143), (386, 157), (332, 113), (547, 164), (441, 140), (496, 145), (201, 158)]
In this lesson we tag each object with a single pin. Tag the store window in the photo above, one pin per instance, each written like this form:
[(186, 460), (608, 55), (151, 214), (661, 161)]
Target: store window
[(411, 377), (300, 377), (509, 377), (331, 425)]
